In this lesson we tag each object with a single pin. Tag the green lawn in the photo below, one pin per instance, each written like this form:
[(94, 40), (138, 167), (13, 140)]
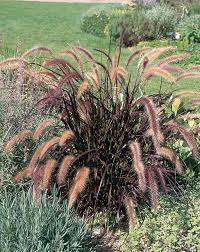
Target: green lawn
[(55, 25)]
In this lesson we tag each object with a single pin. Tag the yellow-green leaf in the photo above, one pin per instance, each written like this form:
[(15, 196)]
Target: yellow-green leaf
[(176, 105)]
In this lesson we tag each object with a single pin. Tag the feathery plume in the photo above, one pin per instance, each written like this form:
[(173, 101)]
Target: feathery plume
[(159, 72), (48, 171), (35, 49), (47, 145), (196, 67), (190, 116), (92, 62), (24, 173), (153, 120), (138, 165), (12, 62), (93, 79), (19, 137), (95, 72), (130, 209), (75, 56), (115, 58), (186, 93), (48, 74), (41, 127), (148, 133), (153, 54), (187, 136), (82, 88), (188, 75), (153, 188), (195, 101), (37, 177), (56, 61), (78, 184), (84, 109), (86, 52), (174, 69), (135, 54), (64, 167), (172, 58), (116, 71), (68, 134), (171, 156), (35, 157)]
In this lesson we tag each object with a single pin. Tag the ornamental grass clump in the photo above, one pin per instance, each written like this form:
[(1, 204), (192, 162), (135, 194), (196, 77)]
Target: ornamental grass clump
[(111, 153)]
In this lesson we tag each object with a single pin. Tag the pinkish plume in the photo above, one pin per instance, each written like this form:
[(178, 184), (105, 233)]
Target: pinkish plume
[(138, 165), (187, 136)]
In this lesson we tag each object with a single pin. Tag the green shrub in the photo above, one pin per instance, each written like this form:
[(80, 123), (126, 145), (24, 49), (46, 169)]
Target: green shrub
[(132, 25), (189, 29), (49, 227), (130, 28), (96, 20), (95, 24), (162, 19), (140, 24), (176, 227)]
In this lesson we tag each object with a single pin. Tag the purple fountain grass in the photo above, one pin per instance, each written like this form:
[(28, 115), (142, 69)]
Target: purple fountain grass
[(106, 129)]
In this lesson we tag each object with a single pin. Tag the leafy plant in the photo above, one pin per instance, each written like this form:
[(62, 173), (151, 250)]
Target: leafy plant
[(96, 20), (174, 228), (112, 148), (189, 29), (95, 24)]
